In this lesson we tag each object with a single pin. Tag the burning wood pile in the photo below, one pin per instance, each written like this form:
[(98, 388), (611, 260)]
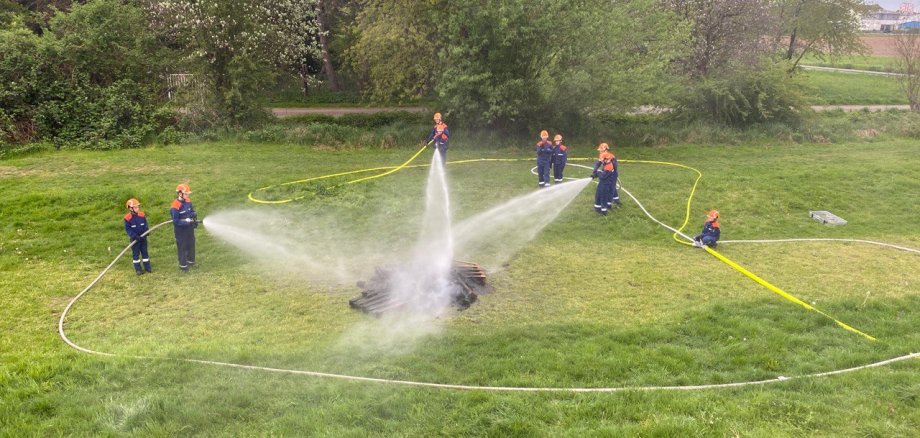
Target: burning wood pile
[(466, 282)]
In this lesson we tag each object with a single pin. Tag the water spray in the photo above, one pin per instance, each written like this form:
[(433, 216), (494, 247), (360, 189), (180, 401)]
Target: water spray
[(477, 387)]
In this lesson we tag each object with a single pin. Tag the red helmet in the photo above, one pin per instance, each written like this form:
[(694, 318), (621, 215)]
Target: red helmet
[(183, 188), (132, 203)]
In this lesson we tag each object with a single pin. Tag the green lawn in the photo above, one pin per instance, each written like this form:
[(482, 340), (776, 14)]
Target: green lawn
[(855, 62), (832, 88), (590, 302)]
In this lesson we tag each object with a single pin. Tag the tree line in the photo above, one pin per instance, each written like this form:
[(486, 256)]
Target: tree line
[(94, 73)]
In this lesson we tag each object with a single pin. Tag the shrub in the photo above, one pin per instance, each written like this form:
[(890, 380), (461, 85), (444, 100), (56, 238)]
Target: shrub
[(268, 134), (90, 81), (742, 98), (372, 120)]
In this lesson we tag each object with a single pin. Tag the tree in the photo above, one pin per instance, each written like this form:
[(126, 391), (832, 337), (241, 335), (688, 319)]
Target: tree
[(542, 61), (11, 13), (592, 66), (501, 62), (907, 45), (89, 80), (490, 71), (396, 45), (323, 17), (817, 27), (21, 55), (108, 43), (724, 34), (238, 44)]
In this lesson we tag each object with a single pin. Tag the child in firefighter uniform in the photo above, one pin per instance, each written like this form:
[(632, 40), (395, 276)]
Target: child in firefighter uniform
[(606, 170), (185, 220), (544, 150), (605, 174), (712, 230), (440, 136), (560, 156), (136, 226)]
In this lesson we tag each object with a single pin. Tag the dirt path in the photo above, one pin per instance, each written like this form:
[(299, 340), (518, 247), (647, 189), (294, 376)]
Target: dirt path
[(341, 111), (849, 70), (852, 108)]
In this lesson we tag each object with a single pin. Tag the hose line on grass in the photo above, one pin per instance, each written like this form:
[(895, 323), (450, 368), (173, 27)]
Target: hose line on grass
[(391, 169), (726, 260), (90, 286)]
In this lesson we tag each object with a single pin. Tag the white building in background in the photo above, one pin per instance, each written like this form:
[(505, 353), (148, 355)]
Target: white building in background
[(888, 21)]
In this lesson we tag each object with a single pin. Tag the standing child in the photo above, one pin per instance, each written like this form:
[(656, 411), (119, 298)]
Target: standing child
[(184, 221), (439, 136), (560, 156), (136, 226), (605, 173), (614, 193), (712, 230), (544, 159), (614, 199)]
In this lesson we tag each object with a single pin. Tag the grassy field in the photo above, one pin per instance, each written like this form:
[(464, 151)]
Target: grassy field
[(832, 88), (590, 302), (855, 62)]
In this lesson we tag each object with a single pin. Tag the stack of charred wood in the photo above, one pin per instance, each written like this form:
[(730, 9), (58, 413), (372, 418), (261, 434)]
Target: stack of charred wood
[(466, 282)]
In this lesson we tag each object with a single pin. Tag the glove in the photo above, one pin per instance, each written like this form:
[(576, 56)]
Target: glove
[(593, 175)]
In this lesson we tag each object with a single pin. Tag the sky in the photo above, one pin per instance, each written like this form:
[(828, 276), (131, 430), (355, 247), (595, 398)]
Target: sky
[(893, 5)]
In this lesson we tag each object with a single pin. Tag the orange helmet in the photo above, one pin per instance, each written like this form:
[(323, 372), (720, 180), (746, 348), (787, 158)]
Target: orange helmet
[(606, 156), (544, 134), (558, 137), (132, 203), (184, 188), (713, 215), (437, 116), (603, 147)]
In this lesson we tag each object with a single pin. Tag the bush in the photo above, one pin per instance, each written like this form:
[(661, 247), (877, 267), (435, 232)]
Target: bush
[(376, 120), (743, 98), (91, 81), (268, 134), (21, 59), (170, 135), (358, 120), (84, 116)]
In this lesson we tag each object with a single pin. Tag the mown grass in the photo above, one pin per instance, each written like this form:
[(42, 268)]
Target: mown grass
[(854, 62), (591, 302), (833, 88)]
